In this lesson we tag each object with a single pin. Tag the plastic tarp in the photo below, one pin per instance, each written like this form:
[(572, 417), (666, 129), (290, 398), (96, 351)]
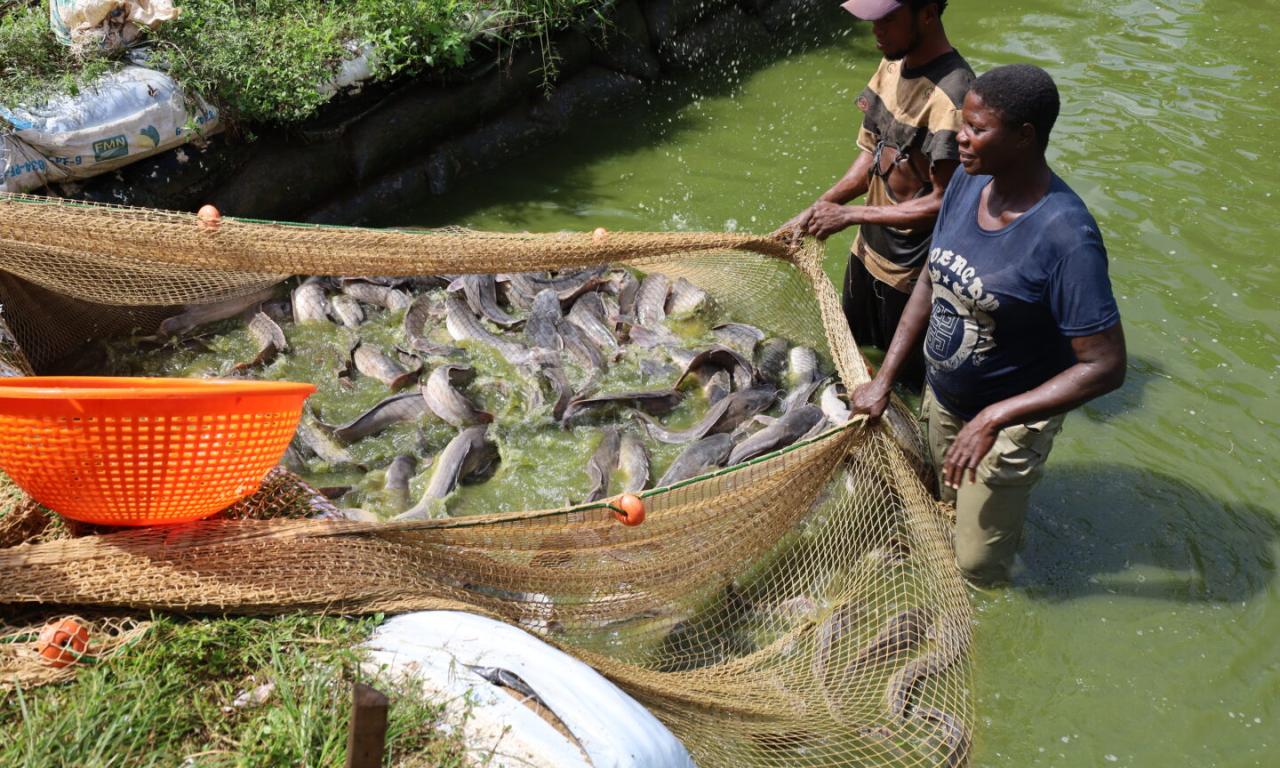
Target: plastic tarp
[(455, 655)]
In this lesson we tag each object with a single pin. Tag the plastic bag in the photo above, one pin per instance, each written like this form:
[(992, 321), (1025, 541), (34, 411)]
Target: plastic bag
[(110, 24)]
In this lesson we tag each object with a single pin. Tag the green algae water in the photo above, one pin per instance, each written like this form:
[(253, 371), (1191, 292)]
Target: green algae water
[(1144, 625)]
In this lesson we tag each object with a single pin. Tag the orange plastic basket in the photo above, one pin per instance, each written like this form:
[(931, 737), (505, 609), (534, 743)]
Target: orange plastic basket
[(126, 451)]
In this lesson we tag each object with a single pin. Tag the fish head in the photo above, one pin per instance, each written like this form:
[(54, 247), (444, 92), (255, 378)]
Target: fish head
[(457, 373), (482, 458)]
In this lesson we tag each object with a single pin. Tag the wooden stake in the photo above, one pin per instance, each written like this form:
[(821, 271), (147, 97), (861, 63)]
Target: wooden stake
[(367, 736)]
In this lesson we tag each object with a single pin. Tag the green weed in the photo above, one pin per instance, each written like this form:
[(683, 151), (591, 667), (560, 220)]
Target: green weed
[(167, 699), (32, 61), (261, 61)]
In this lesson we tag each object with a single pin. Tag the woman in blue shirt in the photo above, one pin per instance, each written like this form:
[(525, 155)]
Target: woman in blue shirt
[(1016, 315)]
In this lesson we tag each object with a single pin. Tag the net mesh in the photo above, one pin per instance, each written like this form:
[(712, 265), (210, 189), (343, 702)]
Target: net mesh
[(22, 664), (800, 609)]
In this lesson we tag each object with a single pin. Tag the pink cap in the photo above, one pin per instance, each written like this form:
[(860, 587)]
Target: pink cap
[(870, 10)]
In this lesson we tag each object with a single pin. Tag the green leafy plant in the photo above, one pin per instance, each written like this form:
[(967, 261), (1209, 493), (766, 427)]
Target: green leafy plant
[(263, 61), (33, 64), (168, 700)]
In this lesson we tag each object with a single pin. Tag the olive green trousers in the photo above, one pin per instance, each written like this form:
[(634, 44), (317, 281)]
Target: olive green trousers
[(990, 512)]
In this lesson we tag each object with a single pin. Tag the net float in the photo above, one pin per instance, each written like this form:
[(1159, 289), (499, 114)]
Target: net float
[(210, 217), (62, 642), (628, 509), (599, 235)]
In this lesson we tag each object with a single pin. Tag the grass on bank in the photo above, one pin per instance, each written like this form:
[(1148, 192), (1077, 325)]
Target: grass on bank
[(262, 60), (160, 702)]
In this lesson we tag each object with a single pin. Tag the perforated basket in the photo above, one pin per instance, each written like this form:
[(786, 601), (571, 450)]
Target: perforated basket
[(133, 451)]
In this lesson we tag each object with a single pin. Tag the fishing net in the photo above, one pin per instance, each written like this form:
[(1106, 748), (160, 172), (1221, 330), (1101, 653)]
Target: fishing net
[(802, 608), (22, 664)]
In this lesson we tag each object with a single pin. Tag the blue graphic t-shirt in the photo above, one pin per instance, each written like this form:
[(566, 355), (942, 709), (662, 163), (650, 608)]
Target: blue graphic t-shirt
[(1007, 303)]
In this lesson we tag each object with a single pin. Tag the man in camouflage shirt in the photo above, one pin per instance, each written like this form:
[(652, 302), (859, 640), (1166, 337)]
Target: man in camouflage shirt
[(911, 115)]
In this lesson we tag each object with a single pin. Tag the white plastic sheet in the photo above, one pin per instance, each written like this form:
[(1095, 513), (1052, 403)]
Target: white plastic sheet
[(353, 71), (610, 729)]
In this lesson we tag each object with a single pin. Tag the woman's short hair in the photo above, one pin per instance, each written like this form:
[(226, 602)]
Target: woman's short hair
[(1021, 93)]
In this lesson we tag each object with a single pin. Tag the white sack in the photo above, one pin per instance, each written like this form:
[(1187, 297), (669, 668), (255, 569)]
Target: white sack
[(119, 119)]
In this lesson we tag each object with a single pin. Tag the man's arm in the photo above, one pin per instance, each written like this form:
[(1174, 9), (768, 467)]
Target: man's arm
[(873, 397), (829, 218), (851, 186), (1099, 369)]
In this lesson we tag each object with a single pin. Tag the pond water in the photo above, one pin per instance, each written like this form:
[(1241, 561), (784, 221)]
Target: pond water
[(1142, 629)]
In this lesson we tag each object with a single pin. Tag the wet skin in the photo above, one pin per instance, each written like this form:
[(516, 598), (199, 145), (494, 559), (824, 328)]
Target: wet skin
[(897, 34)]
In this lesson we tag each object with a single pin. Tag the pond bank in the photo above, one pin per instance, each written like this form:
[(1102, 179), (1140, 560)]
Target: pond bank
[(418, 138)]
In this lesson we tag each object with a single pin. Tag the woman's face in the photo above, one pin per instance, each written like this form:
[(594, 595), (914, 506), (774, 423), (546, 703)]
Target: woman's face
[(988, 145)]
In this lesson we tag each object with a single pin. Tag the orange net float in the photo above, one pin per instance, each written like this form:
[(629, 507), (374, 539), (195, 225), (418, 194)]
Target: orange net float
[(210, 217), (62, 642), (628, 509)]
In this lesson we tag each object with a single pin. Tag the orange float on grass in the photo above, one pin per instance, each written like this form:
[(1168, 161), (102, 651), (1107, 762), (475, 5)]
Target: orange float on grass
[(628, 509), (61, 642)]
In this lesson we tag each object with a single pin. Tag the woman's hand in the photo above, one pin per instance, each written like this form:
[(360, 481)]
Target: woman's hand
[(970, 447), (1099, 368), (870, 398)]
